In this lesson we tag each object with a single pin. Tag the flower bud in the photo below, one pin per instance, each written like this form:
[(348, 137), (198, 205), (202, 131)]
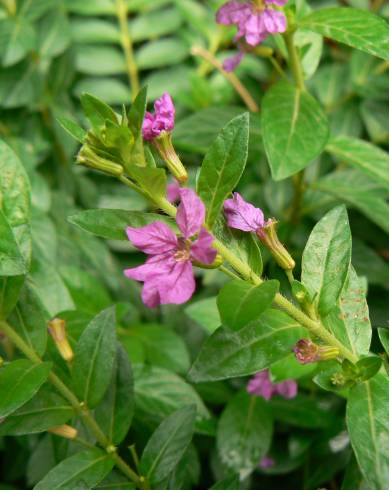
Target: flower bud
[(307, 352), (89, 158), (57, 329), (268, 236), (65, 431), (163, 144)]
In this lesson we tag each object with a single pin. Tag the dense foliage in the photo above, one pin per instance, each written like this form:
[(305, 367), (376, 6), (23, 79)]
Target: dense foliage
[(270, 369)]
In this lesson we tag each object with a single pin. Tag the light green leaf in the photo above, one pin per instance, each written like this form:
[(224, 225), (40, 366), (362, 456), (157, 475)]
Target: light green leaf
[(228, 354), (205, 313), (99, 60), (94, 358), (294, 127), (349, 320), (19, 381), (111, 90), (135, 121), (115, 412), (46, 410), (240, 302), (384, 337), (244, 433), (357, 28), (112, 223), (368, 427), (94, 31), (152, 180), (358, 191), (97, 111), (154, 24), (54, 34), (167, 444), (164, 52), (326, 259), (17, 39), (223, 166), (76, 131), (89, 466), (363, 155)]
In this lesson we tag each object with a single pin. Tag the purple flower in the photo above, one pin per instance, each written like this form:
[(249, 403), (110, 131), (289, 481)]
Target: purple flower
[(243, 215), (254, 23), (307, 352), (261, 385), (266, 462), (173, 192), (231, 63), (162, 120), (168, 272)]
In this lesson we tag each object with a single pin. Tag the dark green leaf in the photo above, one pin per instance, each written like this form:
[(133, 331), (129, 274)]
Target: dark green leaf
[(384, 337), (357, 28), (244, 433), (223, 166), (240, 302), (18, 37), (230, 483), (19, 381), (362, 155), (94, 358), (168, 444), (10, 287), (295, 129), (47, 409), (302, 411), (116, 481), (326, 259), (115, 412), (89, 466), (229, 354), (367, 424), (367, 367), (112, 223), (12, 262)]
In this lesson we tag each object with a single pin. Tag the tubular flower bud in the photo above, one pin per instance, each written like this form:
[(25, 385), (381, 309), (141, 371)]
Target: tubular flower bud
[(89, 158), (307, 352), (65, 431), (268, 236), (57, 330), (164, 146)]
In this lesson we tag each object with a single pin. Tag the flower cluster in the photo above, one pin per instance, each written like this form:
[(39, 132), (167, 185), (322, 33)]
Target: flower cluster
[(162, 120), (168, 272), (255, 20), (261, 385)]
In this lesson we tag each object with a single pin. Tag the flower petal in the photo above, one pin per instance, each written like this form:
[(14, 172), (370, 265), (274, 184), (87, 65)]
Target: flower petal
[(287, 389), (173, 192), (179, 286), (231, 63), (280, 3), (255, 30), (232, 12), (153, 239), (154, 266), (274, 21), (190, 213), (243, 215), (202, 250)]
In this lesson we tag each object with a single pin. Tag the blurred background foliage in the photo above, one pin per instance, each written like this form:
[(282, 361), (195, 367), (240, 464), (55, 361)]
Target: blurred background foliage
[(51, 51)]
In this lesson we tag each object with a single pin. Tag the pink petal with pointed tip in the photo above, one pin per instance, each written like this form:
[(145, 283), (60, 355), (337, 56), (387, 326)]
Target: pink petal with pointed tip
[(179, 286), (153, 239), (190, 213), (243, 215), (274, 21)]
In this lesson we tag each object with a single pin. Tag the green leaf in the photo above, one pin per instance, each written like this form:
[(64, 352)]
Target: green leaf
[(18, 38), (363, 155), (97, 111), (19, 381), (112, 223), (94, 358), (10, 287), (94, 31), (223, 166), (29, 320), (205, 313), (135, 121), (367, 424), (240, 302), (355, 189), (230, 483), (112, 90), (46, 410), (99, 60), (168, 444), (152, 180), (155, 24), (228, 354), (367, 367), (164, 52), (290, 368), (115, 412), (159, 392), (54, 34), (76, 131), (349, 320), (12, 262), (357, 28), (301, 411), (295, 129), (326, 259), (89, 466), (384, 337), (163, 346), (116, 481), (244, 433)]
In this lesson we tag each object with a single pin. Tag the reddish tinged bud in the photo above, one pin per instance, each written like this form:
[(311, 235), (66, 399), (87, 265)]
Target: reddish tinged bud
[(307, 352), (57, 330), (268, 236), (163, 144)]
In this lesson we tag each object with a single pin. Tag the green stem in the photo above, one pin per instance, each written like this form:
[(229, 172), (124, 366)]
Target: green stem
[(315, 327), (294, 60), (227, 272), (126, 42), (74, 402)]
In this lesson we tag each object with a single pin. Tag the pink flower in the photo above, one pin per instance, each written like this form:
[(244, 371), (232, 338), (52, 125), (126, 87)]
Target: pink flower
[(168, 272), (231, 63), (254, 23), (261, 385), (162, 120), (173, 192), (243, 215), (266, 462)]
